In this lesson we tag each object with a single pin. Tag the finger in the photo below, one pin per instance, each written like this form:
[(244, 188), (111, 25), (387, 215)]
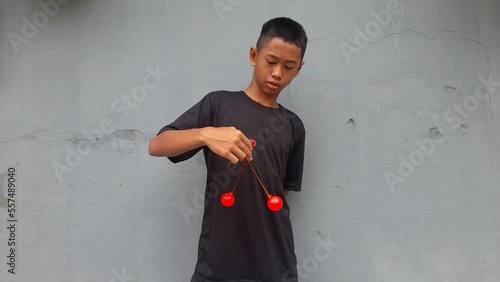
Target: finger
[(243, 147), (248, 145), (240, 154), (246, 151), (232, 158), (247, 142)]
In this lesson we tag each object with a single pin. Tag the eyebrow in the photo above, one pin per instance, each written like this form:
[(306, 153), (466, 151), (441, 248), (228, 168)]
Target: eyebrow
[(287, 61)]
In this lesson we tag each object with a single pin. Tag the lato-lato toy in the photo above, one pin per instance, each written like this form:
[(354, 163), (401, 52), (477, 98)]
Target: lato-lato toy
[(274, 203)]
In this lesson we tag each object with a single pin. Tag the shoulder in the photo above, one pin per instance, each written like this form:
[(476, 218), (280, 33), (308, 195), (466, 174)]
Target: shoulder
[(221, 94), (219, 100), (295, 122)]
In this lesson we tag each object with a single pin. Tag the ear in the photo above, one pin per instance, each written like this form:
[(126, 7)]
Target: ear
[(253, 56), (300, 67)]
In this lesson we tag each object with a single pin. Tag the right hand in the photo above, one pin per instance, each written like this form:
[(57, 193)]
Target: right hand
[(228, 142)]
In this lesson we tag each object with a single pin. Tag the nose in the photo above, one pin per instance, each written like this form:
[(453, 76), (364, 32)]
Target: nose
[(276, 72)]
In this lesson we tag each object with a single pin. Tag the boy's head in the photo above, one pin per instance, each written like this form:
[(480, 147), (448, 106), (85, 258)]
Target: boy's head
[(286, 29), (277, 58)]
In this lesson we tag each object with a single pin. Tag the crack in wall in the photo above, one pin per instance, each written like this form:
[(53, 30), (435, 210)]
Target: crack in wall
[(331, 34), (433, 38), (121, 134), (396, 44), (406, 31)]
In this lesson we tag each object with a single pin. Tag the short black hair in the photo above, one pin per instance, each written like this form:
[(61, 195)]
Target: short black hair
[(286, 29)]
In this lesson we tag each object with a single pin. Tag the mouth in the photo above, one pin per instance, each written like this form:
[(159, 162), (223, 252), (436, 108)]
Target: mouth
[(272, 85)]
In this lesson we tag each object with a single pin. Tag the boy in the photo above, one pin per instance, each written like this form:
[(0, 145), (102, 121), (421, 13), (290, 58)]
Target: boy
[(246, 242)]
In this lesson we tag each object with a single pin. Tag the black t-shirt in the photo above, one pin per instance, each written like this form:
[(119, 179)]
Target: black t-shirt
[(247, 242)]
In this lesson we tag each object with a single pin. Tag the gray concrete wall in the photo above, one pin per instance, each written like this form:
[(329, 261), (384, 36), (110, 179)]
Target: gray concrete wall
[(403, 141)]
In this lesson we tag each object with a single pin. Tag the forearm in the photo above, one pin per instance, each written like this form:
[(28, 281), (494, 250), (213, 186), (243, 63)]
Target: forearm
[(173, 143)]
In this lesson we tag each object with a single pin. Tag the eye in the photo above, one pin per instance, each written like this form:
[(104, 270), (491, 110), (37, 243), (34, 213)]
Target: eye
[(270, 63), (289, 68)]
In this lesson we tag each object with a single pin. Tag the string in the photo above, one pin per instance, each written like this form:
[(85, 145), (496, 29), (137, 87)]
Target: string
[(237, 180), (255, 173), (261, 184)]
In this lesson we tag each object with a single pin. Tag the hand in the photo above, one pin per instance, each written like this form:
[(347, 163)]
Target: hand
[(228, 142)]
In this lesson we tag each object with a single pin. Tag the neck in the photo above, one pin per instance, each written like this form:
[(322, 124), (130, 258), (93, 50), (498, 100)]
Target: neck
[(255, 93)]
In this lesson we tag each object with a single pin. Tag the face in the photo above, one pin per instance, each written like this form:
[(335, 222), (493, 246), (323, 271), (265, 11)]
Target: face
[(276, 64)]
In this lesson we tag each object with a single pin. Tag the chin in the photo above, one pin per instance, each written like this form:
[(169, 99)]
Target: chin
[(270, 92)]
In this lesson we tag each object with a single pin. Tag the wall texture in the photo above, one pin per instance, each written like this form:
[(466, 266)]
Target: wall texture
[(400, 101)]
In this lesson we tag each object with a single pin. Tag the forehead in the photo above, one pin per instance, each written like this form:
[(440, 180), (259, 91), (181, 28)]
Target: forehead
[(282, 50)]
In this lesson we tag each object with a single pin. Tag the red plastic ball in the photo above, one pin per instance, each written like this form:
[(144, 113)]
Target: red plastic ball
[(227, 200), (275, 203)]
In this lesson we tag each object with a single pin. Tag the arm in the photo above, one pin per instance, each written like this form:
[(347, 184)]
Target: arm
[(295, 161), (172, 143), (227, 142)]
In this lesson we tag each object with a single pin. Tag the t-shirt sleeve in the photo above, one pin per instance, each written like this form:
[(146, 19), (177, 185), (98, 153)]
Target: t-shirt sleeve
[(295, 162), (198, 116)]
